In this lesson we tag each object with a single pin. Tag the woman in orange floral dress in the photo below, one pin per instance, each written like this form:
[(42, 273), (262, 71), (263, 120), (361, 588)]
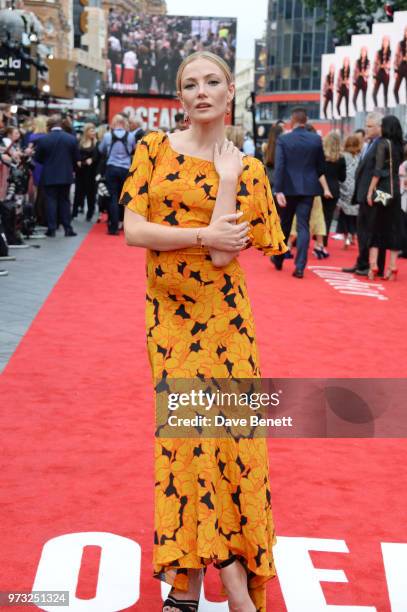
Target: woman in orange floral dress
[(194, 202)]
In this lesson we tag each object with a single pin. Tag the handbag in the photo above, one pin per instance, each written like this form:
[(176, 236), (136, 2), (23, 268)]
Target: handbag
[(383, 197)]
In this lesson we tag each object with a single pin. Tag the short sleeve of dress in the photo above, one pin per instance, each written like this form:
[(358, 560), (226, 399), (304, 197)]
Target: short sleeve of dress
[(135, 189), (256, 202), (381, 163)]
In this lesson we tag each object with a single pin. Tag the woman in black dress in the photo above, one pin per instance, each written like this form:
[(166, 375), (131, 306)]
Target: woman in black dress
[(385, 222), (85, 182), (335, 172)]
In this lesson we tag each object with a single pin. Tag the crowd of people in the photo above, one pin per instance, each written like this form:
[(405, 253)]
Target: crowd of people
[(144, 51), (49, 175), (357, 185)]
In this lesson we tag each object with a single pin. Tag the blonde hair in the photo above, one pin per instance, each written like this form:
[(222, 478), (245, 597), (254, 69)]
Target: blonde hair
[(235, 134), (208, 55), (101, 131), (332, 146), (85, 138), (40, 124), (120, 120)]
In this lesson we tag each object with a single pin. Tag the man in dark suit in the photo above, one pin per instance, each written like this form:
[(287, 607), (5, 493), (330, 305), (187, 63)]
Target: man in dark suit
[(298, 177), (58, 152), (363, 177)]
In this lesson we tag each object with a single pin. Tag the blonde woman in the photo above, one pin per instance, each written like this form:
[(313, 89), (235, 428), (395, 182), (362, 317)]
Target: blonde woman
[(85, 183), (335, 172), (40, 205), (235, 134), (184, 193)]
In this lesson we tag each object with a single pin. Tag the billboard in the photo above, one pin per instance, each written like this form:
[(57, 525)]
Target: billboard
[(328, 73), (14, 70), (343, 81), (79, 21), (400, 57), (362, 54), (260, 63), (369, 74), (153, 112), (144, 51)]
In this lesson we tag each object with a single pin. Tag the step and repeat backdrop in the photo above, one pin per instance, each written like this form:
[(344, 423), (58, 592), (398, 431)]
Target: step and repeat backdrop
[(369, 73)]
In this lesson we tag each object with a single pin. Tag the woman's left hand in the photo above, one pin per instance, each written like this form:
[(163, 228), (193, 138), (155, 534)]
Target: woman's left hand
[(370, 199), (228, 161)]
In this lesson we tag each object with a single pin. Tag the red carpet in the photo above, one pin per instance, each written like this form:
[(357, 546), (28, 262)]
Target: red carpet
[(77, 436)]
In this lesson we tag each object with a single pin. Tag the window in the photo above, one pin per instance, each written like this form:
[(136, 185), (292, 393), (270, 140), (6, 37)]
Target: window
[(307, 46), (288, 9), (319, 46), (296, 48)]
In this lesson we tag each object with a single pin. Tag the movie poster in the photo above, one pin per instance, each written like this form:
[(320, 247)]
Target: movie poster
[(343, 80), (260, 63), (328, 73), (361, 58), (384, 43), (399, 61), (144, 51)]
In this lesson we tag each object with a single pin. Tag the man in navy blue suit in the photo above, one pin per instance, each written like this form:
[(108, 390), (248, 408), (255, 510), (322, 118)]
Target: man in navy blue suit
[(298, 178), (58, 152)]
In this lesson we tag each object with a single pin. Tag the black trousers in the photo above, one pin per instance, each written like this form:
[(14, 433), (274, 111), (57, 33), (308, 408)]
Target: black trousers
[(328, 101), (85, 187), (343, 94), (301, 207), (361, 85), (382, 78), (58, 206), (328, 207)]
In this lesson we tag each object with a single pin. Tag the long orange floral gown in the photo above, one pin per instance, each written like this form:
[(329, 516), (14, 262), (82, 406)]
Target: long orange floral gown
[(212, 496)]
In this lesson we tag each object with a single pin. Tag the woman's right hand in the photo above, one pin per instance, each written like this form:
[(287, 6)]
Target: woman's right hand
[(226, 235)]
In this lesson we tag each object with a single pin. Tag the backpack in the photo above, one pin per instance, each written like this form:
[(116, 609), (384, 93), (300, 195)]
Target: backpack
[(115, 139)]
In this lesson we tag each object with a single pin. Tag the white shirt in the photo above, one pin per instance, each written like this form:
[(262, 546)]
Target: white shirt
[(115, 43), (248, 147), (130, 59)]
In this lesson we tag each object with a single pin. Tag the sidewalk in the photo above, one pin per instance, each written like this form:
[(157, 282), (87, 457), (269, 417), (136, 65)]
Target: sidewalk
[(29, 282)]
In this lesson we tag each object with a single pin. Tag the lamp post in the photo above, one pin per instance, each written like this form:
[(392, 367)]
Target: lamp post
[(250, 106)]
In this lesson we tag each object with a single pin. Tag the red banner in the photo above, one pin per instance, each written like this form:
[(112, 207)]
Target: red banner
[(154, 112)]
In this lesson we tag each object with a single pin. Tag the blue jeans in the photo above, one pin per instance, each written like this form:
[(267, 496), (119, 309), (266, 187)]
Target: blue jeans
[(300, 206), (115, 177)]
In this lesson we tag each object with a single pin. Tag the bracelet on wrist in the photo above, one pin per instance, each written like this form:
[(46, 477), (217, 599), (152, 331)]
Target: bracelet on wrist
[(199, 238)]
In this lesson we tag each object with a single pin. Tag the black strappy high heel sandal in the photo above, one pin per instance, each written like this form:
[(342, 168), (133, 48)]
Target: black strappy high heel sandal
[(225, 563), (183, 605)]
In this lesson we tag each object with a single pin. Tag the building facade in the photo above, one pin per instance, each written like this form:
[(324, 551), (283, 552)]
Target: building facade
[(244, 76), (296, 38), (154, 7)]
